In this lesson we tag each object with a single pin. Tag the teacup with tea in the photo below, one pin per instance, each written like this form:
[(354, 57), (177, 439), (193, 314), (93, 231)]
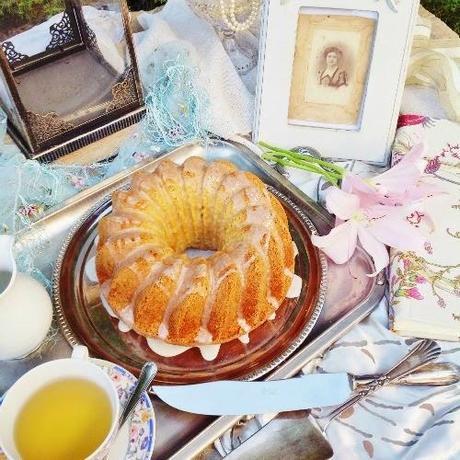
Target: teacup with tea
[(61, 410)]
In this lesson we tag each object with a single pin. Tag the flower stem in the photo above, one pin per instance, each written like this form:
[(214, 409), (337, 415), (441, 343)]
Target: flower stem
[(304, 158), (331, 172), (328, 175)]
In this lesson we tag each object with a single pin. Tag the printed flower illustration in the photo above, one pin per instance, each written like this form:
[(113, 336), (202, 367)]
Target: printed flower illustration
[(144, 415), (133, 432), (140, 156), (144, 443), (414, 276), (414, 293), (433, 165), (77, 181), (31, 210)]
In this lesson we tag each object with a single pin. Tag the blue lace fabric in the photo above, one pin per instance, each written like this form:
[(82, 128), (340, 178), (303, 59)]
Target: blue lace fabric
[(176, 113)]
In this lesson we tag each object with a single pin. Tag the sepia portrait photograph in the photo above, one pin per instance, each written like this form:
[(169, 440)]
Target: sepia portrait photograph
[(331, 64)]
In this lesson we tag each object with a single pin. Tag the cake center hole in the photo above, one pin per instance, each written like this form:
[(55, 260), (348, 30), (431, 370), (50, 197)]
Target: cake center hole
[(194, 253)]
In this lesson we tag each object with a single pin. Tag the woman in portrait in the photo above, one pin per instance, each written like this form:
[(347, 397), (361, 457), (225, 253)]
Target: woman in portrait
[(332, 74)]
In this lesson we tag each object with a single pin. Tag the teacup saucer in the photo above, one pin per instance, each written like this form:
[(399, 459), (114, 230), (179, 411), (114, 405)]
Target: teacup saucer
[(136, 439)]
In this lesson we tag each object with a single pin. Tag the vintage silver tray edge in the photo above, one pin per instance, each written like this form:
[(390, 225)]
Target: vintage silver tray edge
[(220, 425), (71, 338)]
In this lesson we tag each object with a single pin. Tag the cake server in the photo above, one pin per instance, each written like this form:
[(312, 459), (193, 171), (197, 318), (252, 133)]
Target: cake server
[(229, 397), (313, 390)]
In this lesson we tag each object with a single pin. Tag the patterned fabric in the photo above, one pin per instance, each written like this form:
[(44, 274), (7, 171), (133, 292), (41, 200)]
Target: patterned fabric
[(398, 422), (425, 287), (408, 422)]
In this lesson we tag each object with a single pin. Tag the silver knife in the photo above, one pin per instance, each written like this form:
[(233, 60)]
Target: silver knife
[(227, 397)]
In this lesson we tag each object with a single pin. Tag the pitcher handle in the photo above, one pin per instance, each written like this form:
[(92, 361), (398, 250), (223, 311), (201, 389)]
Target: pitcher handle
[(7, 262)]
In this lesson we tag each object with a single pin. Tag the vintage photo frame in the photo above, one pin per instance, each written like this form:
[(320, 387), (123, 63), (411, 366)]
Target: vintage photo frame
[(331, 75)]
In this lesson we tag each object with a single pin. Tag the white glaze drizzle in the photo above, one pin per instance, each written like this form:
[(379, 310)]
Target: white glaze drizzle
[(212, 180), (123, 327), (163, 330), (136, 253), (218, 265), (203, 332), (295, 288), (244, 338), (90, 270), (295, 249), (167, 350), (203, 336), (231, 184), (188, 209), (273, 301), (209, 352), (196, 168), (170, 207), (244, 325)]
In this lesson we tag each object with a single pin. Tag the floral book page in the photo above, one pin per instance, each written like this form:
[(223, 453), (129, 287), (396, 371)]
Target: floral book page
[(425, 287)]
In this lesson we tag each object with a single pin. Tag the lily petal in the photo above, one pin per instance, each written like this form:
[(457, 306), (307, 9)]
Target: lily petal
[(351, 183), (340, 203), (395, 231), (415, 154), (375, 249), (340, 244), (404, 175)]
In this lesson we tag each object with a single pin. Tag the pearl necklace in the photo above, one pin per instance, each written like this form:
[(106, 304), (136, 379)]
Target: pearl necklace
[(230, 19)]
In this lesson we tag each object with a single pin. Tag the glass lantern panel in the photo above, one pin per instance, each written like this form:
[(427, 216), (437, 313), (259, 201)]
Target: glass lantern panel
[(8, 105), (90, 79)]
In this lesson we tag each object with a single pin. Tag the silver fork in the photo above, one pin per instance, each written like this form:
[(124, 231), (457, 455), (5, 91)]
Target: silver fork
[(424, 352)]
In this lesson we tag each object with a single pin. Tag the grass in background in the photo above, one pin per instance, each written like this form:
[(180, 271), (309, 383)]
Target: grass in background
[(30, 9), (23, 11), (447, 10)]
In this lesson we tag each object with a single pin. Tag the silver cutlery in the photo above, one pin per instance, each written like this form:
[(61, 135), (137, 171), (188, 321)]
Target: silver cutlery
[(432, 374), (148, 372), (422, 354)]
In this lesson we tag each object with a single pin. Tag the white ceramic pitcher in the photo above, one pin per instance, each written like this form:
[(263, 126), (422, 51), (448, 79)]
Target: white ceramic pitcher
[(25, 307)]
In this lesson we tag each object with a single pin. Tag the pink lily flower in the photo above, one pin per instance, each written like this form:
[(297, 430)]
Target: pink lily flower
[(374, 212), (400, 185), (375, 226)]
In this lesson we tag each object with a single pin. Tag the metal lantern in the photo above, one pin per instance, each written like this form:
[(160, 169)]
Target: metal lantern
[(68, 82)]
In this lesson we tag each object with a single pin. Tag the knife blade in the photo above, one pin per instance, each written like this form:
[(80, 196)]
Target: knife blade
[(228, 397)]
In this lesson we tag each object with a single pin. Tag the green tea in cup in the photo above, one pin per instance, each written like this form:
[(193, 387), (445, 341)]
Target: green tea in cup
[(65, 420), (63, 409)]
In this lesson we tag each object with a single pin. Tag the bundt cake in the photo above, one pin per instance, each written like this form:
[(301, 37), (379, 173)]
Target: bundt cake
[(154, 287)]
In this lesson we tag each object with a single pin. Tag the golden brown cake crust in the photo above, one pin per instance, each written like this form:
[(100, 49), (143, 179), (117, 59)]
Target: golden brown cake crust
[(153, 286)]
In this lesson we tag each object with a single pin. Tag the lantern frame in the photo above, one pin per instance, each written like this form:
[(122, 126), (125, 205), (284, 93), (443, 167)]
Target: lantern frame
[(46, 136)]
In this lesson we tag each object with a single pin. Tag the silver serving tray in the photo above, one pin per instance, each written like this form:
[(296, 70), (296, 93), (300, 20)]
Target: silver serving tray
[(351, 295), (83, 319)]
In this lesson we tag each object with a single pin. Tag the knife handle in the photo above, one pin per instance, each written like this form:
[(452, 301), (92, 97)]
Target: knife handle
[(432, 374), (424, 352)]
